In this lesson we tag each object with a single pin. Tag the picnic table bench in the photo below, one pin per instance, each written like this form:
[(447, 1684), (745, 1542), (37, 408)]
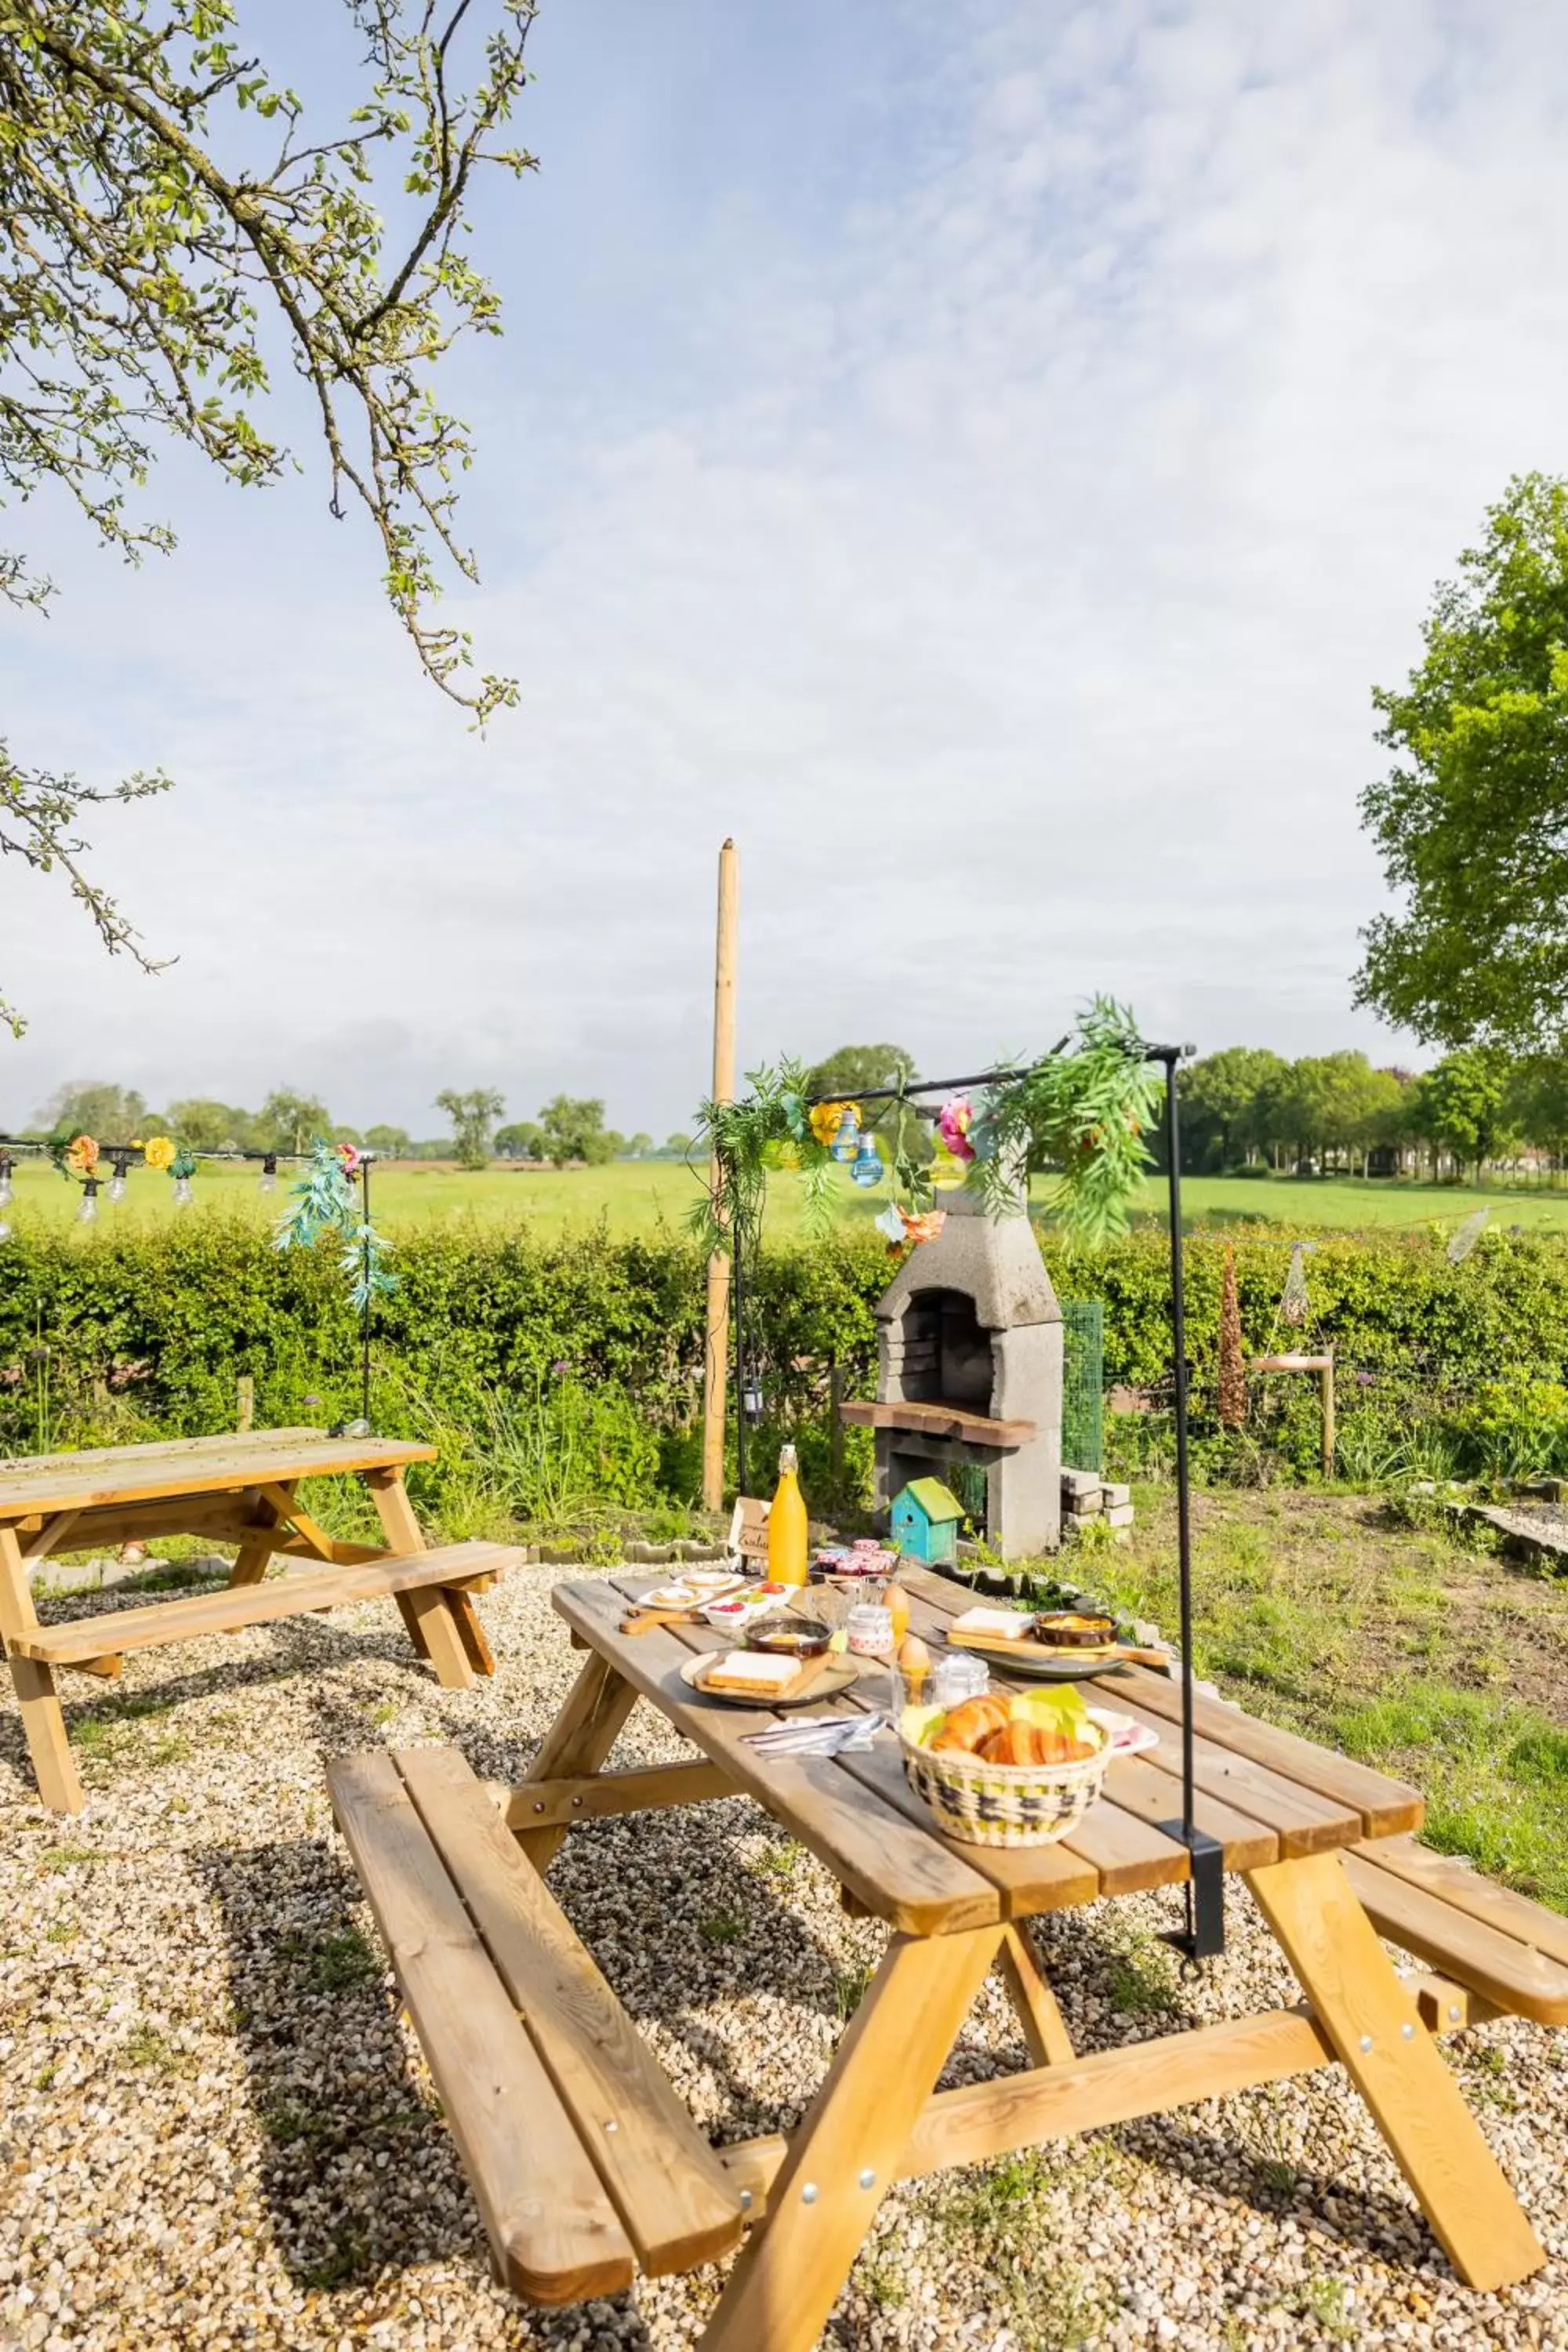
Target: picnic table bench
[(585, 2164), (239, 1490)]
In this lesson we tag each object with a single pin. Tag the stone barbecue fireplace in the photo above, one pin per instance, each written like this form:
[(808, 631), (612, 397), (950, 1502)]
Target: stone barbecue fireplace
[(970, 1372)]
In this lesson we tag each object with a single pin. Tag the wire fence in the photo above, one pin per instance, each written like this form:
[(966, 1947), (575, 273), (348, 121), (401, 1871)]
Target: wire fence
[(1083, 1383)]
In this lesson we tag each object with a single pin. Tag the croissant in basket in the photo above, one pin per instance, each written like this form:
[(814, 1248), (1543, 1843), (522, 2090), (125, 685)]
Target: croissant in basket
[(1026, 1743), (971, 1724)]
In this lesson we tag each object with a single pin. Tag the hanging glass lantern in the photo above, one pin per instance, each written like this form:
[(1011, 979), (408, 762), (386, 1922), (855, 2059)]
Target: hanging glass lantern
[(87, 1212), (268, 1173), (846, 1141), (866, 1168), (752, 1398)]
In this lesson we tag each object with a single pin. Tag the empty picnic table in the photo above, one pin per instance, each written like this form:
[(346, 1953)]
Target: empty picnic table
[(585, 2166), (240, 1490)]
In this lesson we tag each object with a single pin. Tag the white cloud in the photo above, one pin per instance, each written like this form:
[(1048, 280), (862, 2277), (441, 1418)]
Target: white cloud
[(1002, 550)]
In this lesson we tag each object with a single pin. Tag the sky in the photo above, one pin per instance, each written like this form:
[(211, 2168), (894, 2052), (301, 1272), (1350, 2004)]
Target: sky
[(981, 457)]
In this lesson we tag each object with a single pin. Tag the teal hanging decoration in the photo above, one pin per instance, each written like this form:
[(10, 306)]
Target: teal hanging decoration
[(866, 1168)]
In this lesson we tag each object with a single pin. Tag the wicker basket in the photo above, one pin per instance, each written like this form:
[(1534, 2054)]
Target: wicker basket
[(1005, 1804)]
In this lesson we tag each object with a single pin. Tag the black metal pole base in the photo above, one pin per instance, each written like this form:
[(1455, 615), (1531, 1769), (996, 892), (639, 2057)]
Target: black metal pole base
[(1203, 1938)]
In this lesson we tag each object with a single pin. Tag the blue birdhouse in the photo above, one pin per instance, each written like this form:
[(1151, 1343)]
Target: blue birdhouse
[(925, 1521)]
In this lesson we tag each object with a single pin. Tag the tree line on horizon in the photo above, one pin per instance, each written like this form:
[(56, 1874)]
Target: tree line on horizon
[(569, 1129), (1245, 1107)]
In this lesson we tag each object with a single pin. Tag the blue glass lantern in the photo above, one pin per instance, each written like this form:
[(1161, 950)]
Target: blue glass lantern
[(866, 1168), (846, 1137)]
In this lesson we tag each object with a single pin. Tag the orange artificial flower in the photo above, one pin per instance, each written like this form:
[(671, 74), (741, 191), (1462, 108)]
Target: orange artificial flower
[(81, 1157)]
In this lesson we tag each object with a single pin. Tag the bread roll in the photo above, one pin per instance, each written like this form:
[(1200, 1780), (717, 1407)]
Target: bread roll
[(1026, 1743)]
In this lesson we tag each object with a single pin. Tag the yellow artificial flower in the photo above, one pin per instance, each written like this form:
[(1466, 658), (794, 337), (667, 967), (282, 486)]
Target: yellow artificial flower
[(827, 1119), (81, 1157), (158, 1152)]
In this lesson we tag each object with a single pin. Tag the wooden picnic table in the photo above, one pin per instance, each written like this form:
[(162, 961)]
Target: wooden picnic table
[(240, 1490), (1286, 1814)]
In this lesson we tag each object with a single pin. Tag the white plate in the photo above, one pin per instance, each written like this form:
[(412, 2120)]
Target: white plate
[(1127, 1737)]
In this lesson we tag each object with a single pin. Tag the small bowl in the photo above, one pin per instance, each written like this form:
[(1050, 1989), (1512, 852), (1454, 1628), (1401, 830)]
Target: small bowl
[(797, 1637), (1075, 1629)]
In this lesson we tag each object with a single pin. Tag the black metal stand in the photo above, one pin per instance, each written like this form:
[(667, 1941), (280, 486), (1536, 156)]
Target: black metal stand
[(366, 1310), (1204, 1934)]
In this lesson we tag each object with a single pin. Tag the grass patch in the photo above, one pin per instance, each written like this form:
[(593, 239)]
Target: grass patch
[(1142, 1981), (145, 2046), (723, 1927), (1400, 1647), (998, 2217), (335, 1962), (65, 1857), (116, 1732)]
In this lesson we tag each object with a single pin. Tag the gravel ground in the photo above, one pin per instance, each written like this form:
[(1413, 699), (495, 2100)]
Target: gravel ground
[(215, 2132)]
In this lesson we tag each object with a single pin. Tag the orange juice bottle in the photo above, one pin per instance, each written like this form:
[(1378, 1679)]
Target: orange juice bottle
[(896, 1601), (787, 1538)]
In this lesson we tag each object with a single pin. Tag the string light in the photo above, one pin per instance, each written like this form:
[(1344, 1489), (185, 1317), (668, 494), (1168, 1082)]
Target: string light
[(268, 1173), (181, 1192), (87, 1212), (4, 1180), (117, 1183)]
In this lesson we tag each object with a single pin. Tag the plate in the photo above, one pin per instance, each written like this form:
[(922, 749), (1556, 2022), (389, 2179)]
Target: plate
[(1127, 1737), (1034, 1668), (834, 1678)]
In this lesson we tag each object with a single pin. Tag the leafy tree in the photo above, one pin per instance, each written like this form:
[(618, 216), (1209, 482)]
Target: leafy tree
[(1225, 1102), (472, 1115), (1537, 1101), (1472, 818), (173, 215), (678, 1146), (288, 1121), (208, 1126), (389, 1142), (523, 1140), (574, 1128), (1462, 1104), (348, 1135), (636, 1147), (85, 1107)]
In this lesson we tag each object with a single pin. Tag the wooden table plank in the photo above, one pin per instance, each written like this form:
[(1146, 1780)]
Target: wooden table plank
[(555, 2235), (1463, 1888), (201, 1466), (906, 1877), (671, 2190), (187, 1619), (1520, 1979), (1386, 1806), (1303, 1821)]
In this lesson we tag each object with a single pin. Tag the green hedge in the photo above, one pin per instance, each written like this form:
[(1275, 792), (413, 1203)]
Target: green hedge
[(112, 1335)]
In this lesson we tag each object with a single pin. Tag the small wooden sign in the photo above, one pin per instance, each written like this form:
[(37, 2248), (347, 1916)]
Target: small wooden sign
[(749, 1528)]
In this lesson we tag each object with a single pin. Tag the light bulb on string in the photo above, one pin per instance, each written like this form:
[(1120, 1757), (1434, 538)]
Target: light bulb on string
[(87, 1212), (117, 1181), (181, 1192), (268, 1173), (4, 1180), (866, 1168), (846, 1137)]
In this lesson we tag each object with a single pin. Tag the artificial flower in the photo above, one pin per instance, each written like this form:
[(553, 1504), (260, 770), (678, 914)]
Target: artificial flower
[(924, 1227), (349, 1155), (957, 1118), (890, 1224), (158, 1153), (827, 1119), (81, 1156)]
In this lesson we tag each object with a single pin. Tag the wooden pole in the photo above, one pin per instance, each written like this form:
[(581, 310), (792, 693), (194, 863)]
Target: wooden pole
[(715, 1368), (1326, 1381)]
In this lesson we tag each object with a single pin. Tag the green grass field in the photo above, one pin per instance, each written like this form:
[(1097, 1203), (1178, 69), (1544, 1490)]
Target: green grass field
[(645, 1197)]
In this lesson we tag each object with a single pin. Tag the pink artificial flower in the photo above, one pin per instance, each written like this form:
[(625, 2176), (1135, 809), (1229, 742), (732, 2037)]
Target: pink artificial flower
[(957, 1118), (349, 1158)]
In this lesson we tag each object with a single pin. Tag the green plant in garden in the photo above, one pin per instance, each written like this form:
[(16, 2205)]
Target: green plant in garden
[(1518, 1428)]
